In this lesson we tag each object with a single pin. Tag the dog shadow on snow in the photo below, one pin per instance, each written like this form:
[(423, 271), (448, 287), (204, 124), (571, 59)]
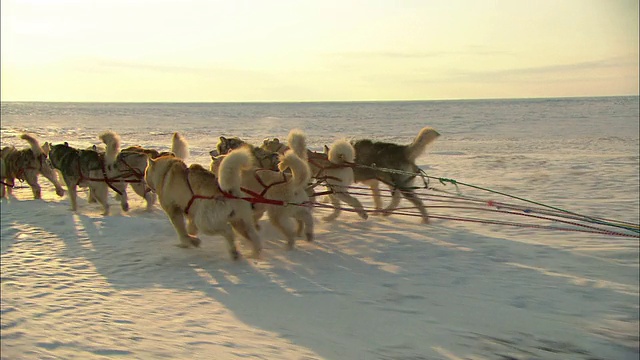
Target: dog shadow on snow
[(357, 281)]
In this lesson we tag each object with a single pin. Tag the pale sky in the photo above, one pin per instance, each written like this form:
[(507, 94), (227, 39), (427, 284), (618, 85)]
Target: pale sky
[(308, 50)]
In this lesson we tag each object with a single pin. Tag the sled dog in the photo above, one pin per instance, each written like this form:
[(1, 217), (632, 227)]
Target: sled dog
[(265, 159), (395, 157), (179, 148), (210, 204), (334, 169), (26, 164), (287, 189), (84, 168), (124, 168)]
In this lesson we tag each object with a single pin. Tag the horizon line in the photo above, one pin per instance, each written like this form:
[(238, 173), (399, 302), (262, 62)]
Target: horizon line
[(311, 101)]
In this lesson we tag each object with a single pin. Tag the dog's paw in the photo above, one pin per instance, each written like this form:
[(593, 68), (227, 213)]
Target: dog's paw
[(234, 254), (309, 237), (363, 215), (195, 241), (125, 206), (425, 220), (60, 192), (328, 218)]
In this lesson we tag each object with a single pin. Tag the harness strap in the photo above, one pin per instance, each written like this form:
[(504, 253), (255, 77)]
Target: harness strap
[(9, 185), (267, 187), (194, 196)]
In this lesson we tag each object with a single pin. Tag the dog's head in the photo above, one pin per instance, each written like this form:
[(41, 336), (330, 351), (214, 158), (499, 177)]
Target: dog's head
[(266, 159), (274, 145), (58, 152), (6, 150), (227, 144), (216, 160)]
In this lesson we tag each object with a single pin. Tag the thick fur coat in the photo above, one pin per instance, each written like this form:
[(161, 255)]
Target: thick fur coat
[(26, 164), (208, 203), (286, 187), (396, 157), (334, 169), (264, 158)]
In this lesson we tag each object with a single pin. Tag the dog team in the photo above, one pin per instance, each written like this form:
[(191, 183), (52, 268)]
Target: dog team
[(242, 183)]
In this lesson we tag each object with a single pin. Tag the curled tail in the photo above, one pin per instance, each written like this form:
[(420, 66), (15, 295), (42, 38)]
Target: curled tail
[(231, 167), (179, 146), (297, 141), (33, 143), (419, 144), (112, 141), (301, 174), (341, 151)]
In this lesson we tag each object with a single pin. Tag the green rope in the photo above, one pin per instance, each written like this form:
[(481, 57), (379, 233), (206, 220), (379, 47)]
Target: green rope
[(443, 181)]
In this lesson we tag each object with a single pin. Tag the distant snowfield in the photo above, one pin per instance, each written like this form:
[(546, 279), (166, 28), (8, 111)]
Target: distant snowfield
[(84, 286)]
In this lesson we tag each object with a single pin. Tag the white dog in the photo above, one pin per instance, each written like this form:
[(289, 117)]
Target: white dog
[(282, 195), (210, 204), (334, 169)]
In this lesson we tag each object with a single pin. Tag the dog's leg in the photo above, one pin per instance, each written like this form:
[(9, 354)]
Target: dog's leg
[(304, 215), (177, 219), (5, 191), (192, 229), (276, 220), (124, 198), (248, 231), (51, 176), (410, 195), (91, 198), (231, 241), (395, 201), (73, 195), (351, 201), (375, 192), (145, 193), (32, 179), (335, 202), (101, 193)]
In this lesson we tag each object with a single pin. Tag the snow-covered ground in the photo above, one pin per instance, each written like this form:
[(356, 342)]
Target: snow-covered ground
[(83, 286)]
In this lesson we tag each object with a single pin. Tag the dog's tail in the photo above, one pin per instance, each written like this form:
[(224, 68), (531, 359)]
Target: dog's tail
[(301, 174), (34, 144), (341, 152), (297, 141), (424, 138), (231, 167), (179, 146), (112, 141)]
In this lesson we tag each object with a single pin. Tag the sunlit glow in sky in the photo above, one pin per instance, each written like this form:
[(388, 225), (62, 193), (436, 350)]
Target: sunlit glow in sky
[(292, 50)]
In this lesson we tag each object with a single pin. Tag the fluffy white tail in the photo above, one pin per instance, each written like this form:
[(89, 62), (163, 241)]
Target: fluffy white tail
[(33, 143), (179, 146), (424, 138), (297, 141), (301, 174), (341, 151), (112, 141), (231, 167)]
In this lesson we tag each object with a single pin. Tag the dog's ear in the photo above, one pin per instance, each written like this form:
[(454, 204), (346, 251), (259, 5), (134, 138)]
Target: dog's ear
[(276, 140), (46, 148), (66, 144), (223, 139), (265, 141), (326, 149)]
